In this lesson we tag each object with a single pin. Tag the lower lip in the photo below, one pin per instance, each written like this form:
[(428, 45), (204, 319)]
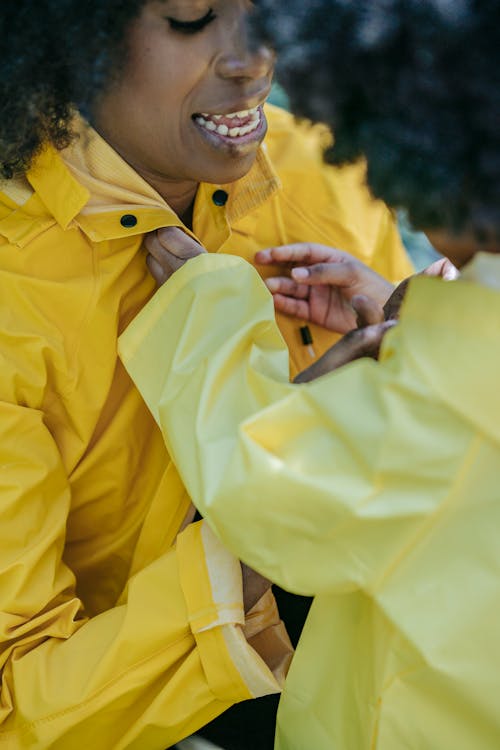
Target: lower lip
[(238, 143)]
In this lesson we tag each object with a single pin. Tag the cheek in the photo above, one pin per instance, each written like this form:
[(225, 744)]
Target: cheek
[(165, 89), (457, 249), (462, 248), (164, 70)]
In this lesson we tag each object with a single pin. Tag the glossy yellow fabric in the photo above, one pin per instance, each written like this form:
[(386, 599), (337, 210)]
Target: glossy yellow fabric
[(374, 488), (115, 630)]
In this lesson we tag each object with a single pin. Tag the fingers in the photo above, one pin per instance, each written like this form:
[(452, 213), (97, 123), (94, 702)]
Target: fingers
[(300, 252), (393, 304), (341, 274), (169, 248), (444, 268), (289, 297), (296, 308), (156, 270), (368, 311), (284, 285), (363, 342), (173, 241)]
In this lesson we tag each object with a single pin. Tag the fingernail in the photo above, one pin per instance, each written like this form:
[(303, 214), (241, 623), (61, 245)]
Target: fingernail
[(271, 284), (300, 273)]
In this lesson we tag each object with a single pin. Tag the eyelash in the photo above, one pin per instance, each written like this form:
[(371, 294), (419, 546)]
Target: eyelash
[(192, 27)]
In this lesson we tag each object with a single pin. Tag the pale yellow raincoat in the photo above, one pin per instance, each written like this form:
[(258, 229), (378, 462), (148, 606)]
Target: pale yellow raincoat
[(116, 630), (375, 488)]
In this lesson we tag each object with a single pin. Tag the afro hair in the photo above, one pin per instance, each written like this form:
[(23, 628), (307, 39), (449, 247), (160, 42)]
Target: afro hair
[(57, 55)]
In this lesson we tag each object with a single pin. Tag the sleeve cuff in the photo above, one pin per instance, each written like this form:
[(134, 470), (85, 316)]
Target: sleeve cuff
[(241, 659)]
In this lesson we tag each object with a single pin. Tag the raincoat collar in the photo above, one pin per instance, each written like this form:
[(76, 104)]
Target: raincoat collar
[(56, 187), (90, 184)]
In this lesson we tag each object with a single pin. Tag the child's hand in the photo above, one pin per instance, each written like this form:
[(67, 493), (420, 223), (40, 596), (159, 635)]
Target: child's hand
[(442, 268), (322, 285), (363, 342)]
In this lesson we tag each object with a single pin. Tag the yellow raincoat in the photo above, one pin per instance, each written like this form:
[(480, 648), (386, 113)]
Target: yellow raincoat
[(116, 630), (375, 488)]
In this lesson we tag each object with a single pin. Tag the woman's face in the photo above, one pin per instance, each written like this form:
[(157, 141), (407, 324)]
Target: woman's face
[(187, 106)]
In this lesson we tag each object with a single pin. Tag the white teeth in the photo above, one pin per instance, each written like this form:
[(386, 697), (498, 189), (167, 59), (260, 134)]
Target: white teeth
[(235, 132), (242, 113), (253, 113)]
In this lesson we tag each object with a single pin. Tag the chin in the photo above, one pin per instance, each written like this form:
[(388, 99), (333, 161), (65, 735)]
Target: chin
[(234, 170)]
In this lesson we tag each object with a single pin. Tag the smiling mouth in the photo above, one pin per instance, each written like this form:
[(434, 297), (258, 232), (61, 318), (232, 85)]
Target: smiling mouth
[(233, 125)]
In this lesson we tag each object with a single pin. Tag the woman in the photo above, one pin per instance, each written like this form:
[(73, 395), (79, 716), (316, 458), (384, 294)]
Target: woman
[(375, 487), (123, 624)]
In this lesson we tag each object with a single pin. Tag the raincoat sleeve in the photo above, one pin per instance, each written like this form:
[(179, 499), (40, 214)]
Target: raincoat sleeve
[(318, 486), (170, 657)]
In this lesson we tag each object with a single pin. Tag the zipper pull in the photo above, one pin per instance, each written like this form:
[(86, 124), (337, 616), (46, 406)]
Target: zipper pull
[(307, 340)]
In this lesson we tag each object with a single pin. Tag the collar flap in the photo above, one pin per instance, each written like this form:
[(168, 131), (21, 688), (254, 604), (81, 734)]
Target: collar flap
[(60, 192)]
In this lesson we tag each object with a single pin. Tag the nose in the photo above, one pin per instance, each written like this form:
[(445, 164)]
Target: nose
[(241, 58)]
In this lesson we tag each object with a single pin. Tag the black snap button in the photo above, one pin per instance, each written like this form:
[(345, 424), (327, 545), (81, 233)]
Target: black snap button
[(220, 197), (128, 221)]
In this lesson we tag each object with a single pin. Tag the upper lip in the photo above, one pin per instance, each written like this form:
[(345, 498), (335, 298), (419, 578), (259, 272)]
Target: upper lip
[(249, 102)]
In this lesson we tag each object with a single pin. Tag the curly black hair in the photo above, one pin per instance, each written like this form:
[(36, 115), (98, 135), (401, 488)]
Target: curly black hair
[(412, 85), (56, 55)]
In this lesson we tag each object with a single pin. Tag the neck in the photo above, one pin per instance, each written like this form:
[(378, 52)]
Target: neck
[(181, 201), (180, 195)]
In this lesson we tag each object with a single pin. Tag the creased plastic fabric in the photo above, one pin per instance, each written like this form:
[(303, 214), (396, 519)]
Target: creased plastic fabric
[(374, 488), (100, 590), (102, 637)]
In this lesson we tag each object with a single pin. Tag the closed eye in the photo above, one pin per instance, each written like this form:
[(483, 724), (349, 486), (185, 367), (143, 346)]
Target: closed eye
[(191, 27)]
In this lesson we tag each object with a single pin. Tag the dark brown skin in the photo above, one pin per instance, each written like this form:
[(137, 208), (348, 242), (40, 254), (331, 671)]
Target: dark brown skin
[(148, 115), (459, 249), (358, 343), (168, 249), (373, 320), (322, 284)]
